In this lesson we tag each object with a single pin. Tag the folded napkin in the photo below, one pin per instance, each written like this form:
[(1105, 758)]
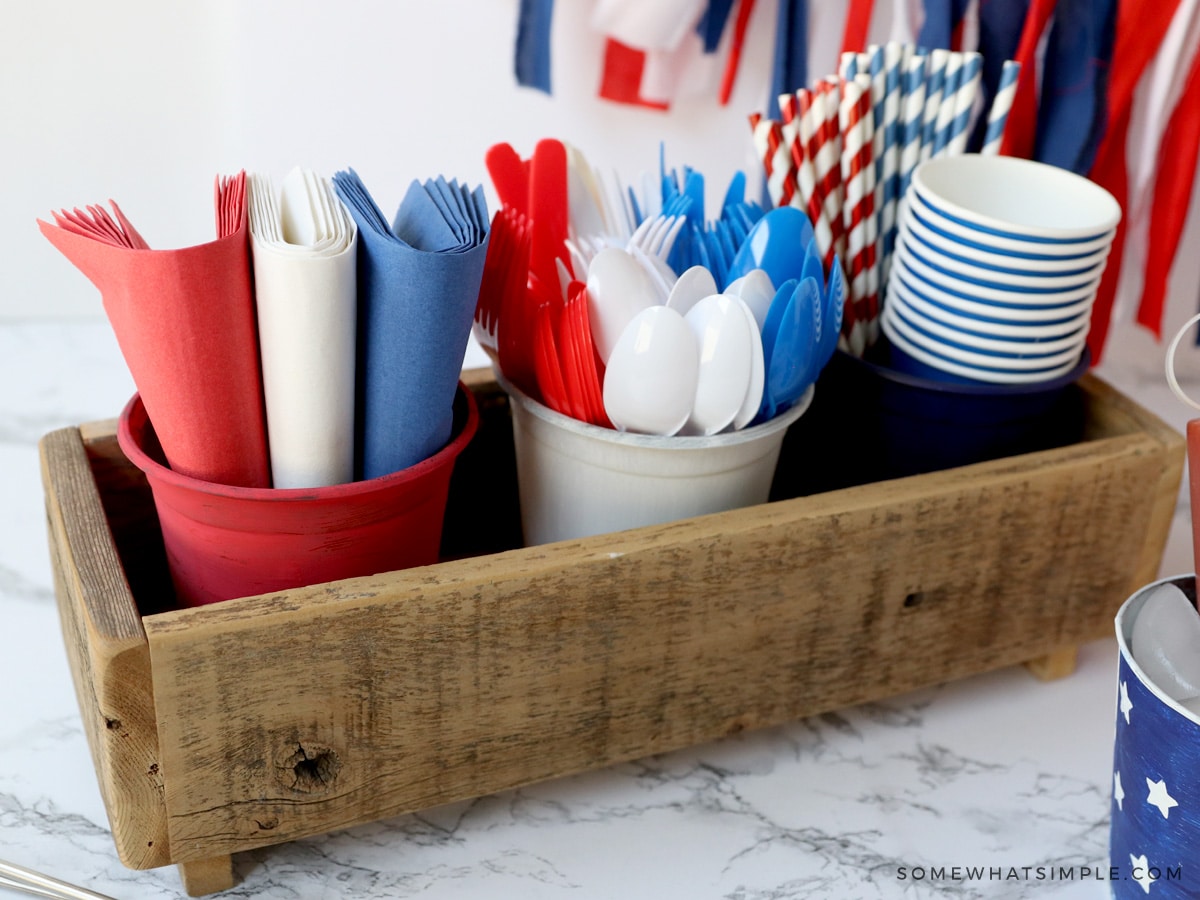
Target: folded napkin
[(184, 320), (418, 283), (304, 246)]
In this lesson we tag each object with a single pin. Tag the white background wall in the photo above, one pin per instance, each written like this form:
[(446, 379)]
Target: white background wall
[(145, 101)]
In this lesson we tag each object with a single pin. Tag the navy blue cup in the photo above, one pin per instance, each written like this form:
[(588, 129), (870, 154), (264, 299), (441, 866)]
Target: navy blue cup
[(1154, 834), (870, 422)]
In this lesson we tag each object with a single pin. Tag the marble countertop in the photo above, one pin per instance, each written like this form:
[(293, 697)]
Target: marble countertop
[(998, 771)]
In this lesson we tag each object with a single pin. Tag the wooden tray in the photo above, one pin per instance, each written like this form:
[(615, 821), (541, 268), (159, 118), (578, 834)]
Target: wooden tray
[(269, 718)]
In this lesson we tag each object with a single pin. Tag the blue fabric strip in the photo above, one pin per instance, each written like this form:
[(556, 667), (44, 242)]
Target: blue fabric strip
[(532, 53), (1071, 114)]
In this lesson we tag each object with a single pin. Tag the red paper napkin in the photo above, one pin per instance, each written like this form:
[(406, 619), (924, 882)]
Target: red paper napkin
[(185, 323)]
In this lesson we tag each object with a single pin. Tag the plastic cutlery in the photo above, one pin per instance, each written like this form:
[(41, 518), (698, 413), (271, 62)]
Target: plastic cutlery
[(690, 288), (777, 243), (754, 389), (770, 331), (794, 348), (650, 382), (510, 175), (618, 288), (722, 332), (757, 292), (547, 202)]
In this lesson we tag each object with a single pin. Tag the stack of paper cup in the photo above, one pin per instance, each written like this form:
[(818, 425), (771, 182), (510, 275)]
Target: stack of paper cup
[(997, 264)]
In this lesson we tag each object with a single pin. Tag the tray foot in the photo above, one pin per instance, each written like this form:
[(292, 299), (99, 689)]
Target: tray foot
[(207, 876), (1056, 664)]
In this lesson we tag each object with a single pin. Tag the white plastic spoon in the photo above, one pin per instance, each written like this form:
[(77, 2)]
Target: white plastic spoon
[(690, 288), (758, 373), (726, 353), (650, 383), (619, 288), (756, 289)]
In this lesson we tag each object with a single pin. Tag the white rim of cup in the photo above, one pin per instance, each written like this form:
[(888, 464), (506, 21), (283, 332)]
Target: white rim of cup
[(942, 244), (920, 273), (969, 371), (1123, 621), (1026, 286), (1042, 348), (931, 255), (1172, 381), (897, 289), (659, 441), (1001, 244), (1037, 314), (1083, 191), (981, 360)]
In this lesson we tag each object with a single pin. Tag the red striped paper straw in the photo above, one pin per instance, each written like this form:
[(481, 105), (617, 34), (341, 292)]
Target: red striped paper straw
[(871, 176), (826, 155), (776, 157), (859, 203), (787, 108), (806, 176)]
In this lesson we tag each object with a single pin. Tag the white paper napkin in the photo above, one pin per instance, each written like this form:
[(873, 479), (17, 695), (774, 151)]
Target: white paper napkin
[(304, 245)]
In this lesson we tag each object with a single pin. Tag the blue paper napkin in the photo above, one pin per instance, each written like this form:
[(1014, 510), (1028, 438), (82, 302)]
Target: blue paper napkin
[(418, 283)]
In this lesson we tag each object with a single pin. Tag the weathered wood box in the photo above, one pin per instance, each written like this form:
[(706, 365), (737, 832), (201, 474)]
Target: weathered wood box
[(265, 719)]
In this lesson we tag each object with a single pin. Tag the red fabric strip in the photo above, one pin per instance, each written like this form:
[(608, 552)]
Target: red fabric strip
[(1177, 155), (1022, 118), (858, 21), (745, 7), (1140, 30), (622, 78)]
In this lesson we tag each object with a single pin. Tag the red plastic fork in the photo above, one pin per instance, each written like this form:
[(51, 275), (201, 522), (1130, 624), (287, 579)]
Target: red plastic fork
[(576, 334), (547, 361)]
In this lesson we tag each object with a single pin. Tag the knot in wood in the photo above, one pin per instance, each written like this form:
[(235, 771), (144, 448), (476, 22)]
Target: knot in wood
[(309, 769)]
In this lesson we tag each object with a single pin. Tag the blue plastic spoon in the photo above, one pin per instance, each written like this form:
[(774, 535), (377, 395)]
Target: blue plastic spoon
[(777, 243)]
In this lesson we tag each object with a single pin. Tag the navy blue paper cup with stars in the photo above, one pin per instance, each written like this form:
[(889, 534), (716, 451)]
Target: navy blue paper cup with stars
[(1154, 846)]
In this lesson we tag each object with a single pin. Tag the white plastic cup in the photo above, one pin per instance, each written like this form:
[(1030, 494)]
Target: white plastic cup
[(1028, 358), (920, 268), (1023, 330), (957, 369), (1015, 198), (973, 340), (971, 237), (577, 479), (986, 308), (911, 228)]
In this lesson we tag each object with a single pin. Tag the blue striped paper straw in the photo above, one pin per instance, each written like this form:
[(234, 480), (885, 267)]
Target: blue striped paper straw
[(960, 128), (864, 64), (1001, 104), (945, 114), (935, 81), (878, 93), (912, 116), (893, 57), (848, 65), (878, 96)]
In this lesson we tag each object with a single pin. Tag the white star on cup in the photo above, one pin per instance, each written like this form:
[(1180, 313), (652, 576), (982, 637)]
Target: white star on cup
[(1159, 797), (1141, 871)]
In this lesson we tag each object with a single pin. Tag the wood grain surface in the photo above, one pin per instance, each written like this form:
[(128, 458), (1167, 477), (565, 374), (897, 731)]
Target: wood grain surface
[(107, 651), (308, 710)]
